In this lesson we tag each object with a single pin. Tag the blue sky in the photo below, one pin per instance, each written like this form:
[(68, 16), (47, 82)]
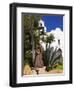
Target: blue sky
[(53, 21)]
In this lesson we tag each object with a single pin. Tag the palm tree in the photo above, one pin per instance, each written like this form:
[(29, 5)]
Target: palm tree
[(49, 39)]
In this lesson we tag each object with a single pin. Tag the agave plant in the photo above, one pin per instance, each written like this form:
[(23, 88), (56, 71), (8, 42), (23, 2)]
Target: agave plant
[(53, 57)]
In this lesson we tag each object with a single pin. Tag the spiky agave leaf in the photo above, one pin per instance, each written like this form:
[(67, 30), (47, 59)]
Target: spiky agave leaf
[(56, 58), (49, 54), (56, 54), (53, 56)]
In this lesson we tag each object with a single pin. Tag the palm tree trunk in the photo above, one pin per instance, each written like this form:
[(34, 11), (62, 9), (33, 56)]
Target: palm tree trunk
[(32, 41)]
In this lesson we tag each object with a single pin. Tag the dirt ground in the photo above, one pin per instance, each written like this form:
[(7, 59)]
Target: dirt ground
[(41, 71)]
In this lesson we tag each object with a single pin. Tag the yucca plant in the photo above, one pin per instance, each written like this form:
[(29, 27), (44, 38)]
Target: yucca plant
[(53, 57)]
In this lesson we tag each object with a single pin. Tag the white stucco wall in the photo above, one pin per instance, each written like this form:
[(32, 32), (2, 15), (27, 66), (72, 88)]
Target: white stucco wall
[(59, 35)]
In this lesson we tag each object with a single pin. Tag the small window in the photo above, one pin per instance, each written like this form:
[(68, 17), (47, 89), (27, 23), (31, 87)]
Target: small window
[(58, 41)]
